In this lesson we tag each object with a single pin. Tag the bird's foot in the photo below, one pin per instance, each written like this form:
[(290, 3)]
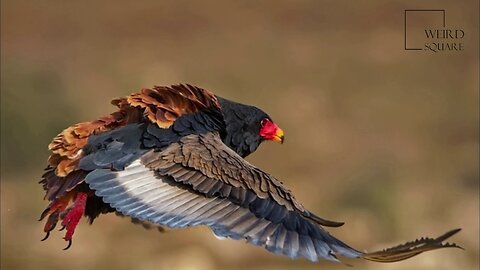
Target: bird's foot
[(53, 212), (70, 216), (73, 216)]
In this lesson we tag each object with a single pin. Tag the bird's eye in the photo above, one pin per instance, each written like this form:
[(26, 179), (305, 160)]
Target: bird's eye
[(264, 121)]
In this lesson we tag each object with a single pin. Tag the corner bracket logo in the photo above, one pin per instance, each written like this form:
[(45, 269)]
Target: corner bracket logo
[(436, 37)]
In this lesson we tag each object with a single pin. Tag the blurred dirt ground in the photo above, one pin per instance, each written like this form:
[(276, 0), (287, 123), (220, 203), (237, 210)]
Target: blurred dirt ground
[(382, 138)]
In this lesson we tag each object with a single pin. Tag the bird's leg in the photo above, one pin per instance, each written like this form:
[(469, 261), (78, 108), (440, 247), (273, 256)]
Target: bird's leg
[(53, 212), (73, 216)]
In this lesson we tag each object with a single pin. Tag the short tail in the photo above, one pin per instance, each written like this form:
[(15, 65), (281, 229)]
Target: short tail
[(410, 249)]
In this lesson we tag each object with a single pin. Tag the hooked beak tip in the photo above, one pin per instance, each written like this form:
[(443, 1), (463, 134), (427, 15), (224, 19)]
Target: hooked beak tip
[(279, 136)]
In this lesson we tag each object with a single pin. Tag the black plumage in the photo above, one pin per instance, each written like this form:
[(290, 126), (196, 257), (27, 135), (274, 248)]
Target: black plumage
[(173, 156)]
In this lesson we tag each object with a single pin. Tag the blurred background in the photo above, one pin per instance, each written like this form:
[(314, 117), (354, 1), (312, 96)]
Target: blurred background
[(379, 137)]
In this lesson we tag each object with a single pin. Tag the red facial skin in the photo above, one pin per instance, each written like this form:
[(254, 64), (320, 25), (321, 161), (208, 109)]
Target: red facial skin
[(270, 131)]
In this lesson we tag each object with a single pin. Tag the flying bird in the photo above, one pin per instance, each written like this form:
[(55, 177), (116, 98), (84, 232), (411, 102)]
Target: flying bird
[(174, 157)]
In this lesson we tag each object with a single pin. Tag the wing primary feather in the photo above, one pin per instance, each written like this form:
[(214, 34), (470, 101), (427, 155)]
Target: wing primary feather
[(199, 181)]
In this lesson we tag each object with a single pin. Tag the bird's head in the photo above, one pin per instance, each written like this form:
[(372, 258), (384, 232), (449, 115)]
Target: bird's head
[(247, 127)]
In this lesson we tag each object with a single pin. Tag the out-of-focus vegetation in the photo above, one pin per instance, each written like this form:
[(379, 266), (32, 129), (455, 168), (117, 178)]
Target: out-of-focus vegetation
[(382, 138)]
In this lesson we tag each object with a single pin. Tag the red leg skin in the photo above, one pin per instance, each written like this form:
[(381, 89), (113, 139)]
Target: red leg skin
[(53, 213), (72, 218)]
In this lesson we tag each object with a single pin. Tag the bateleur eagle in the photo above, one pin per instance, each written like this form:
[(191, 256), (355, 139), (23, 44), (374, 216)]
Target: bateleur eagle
[(173, 156)]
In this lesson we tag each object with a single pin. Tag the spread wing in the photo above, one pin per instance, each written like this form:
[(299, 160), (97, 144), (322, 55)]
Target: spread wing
[(200, 181)]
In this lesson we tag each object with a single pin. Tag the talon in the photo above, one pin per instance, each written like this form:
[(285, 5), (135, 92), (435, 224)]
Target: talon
[(44, 214), (51, 222), (69, 244), (69, 217), (52, 213), (46, 236)]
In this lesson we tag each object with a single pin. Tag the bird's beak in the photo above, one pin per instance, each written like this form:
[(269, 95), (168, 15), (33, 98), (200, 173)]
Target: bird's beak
[(279, 136)]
